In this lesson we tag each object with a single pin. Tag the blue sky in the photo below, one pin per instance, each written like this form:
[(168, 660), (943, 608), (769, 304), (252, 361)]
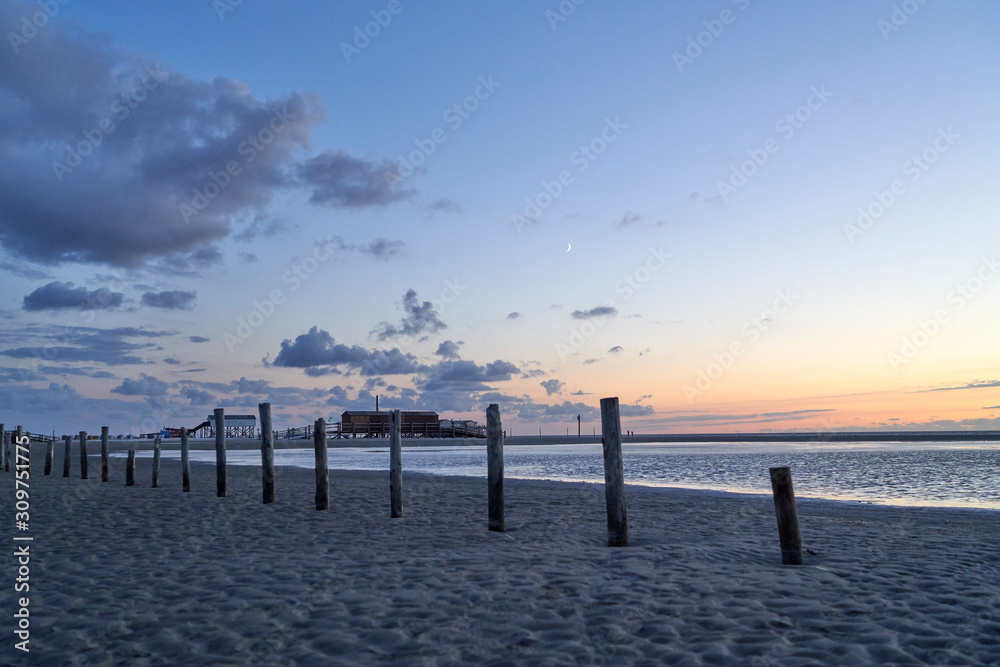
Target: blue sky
[(707, 164)]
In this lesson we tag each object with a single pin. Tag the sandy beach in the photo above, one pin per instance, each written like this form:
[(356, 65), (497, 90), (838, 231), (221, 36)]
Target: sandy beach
[(142, 576)]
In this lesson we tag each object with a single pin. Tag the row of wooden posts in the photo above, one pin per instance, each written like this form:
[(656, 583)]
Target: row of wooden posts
[(614, 476)]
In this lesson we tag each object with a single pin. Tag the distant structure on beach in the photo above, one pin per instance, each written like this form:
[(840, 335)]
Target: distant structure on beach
[(236, 426), (375, 423)]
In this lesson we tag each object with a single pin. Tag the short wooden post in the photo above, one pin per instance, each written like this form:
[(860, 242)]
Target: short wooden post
[(494, 453), (614, 473), (266, 452), (19, 433), (788, 517), (83, 455), (50, 452), (185, 461), (156, 462), (322, 469), (220, 453), (130, 469), (68, 442), (395, 464), (105, 457)]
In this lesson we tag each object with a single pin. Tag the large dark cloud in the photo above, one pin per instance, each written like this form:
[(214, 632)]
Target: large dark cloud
[(110, 156), (318, 348), (169, 300), (421, 319), (145, 385), (466, 375), (59, 295), (107, 346), (448, 349)]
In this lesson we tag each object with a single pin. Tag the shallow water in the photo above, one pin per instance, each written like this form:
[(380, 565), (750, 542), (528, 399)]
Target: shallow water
[(925, 474)]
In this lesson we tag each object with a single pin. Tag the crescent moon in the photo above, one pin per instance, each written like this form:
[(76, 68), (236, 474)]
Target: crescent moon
[(569, 246)]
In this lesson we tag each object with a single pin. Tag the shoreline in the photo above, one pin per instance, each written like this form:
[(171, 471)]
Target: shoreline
[(153, 576)]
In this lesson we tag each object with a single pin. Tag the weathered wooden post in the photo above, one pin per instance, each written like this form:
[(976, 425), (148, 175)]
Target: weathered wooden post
[(614, 473), (185, 461), (83, 455), (130, 469), (18, 435), (494, 453), (220, 453), (156, 462), (322, 469), (105, 459), (50, 452), (395, 464), (788, 517), (266, 452), (68, 442), (4, 439)]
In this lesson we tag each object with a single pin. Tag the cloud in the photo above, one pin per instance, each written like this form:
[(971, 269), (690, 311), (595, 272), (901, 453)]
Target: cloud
[(444, 205), (171, 361), (169, 300), (337, 179), (111, 156), (60, 296), (616, 349), (599, 311), (318, 348), (19, 269), (107, 346), (634, 220), (514, 315), (465, 375), (379, 248), (981, 384), (552, 386), (146, 385), (420, 318), (197, 396), (448, 349), (198, 339)]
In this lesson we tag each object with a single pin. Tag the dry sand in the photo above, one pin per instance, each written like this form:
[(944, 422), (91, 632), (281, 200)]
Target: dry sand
[(143, 576)]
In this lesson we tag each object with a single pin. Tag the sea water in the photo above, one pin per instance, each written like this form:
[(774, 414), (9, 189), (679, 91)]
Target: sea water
[(942, 474)]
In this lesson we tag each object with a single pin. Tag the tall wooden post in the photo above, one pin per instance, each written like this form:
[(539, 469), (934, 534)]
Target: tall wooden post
[(322, 468), (220, 453), (788, 516), (83, 455), (156, 462), (4, 439), (130, 469), (68, 442), (395, 464), (614, 473), (185, 461), (105, 460), (494, 454), (19, 433), (266, 452), (50, 452)]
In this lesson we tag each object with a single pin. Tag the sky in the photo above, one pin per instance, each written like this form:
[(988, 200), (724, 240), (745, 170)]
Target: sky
[(732, 215)]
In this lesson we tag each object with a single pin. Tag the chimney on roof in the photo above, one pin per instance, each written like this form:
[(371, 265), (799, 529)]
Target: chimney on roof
[(376, 402)]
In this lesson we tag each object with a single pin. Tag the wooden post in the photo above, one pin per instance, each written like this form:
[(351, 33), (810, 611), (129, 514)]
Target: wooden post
[(105, 460), (395, 464), (614, 473), (220, 453), (266, 452), (18, 435), (68, 442), (494, 453), (4, 439), (50, 452), (322, 469), (185, 461), (130, 469), (156, 462), (83, 455), (788, 517)]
